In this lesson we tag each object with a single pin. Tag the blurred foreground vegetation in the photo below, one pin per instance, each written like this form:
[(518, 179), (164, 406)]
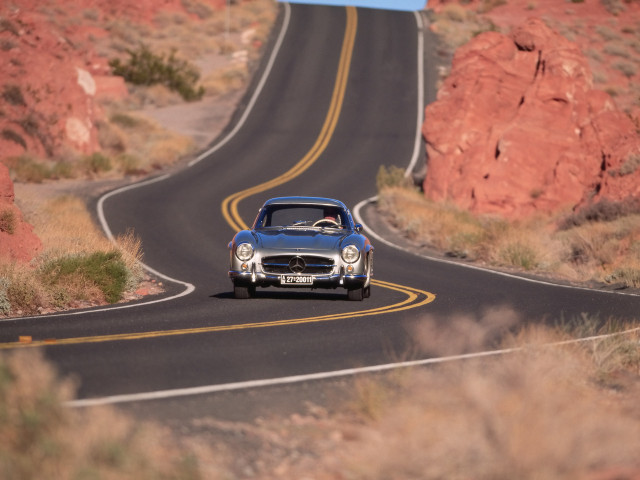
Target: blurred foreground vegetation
[(546, 407)]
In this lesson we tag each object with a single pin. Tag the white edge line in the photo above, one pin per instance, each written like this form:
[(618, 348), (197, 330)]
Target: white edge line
[(270, 382), (226, 387), (256, 93), (418, 139)]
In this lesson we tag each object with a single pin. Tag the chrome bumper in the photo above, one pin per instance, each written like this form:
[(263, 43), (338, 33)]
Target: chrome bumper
[(319, 281)]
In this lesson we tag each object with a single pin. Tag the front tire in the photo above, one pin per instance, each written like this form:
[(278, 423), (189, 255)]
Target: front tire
[(242, 292), (356, 294)]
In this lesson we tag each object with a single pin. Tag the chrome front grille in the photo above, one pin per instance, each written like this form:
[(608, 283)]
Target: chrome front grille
[(303, 264)]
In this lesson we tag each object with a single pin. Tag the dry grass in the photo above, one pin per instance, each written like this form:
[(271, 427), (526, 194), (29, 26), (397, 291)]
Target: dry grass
[(41, 438), (138, 144), (537, 413), (549, 408), (602, 251), (456, 25), (546, 409), (65, 227), (67, 232)]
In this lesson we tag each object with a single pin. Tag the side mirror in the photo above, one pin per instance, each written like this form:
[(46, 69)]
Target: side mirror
[(358, 227)]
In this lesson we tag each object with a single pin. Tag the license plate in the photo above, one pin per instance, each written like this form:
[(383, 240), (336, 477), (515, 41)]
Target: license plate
[(296, 280)]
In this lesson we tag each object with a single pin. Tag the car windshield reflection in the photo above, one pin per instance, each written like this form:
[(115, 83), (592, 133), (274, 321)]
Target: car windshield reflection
[(305, 216)]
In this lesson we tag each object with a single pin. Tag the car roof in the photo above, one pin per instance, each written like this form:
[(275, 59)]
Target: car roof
[(329, 202)]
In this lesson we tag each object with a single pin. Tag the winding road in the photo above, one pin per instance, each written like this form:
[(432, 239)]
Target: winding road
[(341, 94)]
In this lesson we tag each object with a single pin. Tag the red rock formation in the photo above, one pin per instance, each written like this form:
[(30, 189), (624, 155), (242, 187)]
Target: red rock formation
[(518, 129), (51, 76), (17, 240), (50, 79)]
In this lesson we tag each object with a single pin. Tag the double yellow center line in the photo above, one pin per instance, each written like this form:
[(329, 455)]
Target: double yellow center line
[(230, 204), (415, 297)]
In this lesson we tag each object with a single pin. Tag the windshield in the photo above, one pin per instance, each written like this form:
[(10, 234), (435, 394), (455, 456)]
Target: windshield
[(301, 216)]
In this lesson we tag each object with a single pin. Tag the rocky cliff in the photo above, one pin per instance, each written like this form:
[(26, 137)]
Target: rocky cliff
[(52, 79), (518, 128), (17, 240)]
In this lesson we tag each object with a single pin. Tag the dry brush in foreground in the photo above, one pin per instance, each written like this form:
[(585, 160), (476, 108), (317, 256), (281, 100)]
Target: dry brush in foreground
[(550, 408)]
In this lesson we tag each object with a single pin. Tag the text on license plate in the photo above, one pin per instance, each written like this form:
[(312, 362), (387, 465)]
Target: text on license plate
[(296, 280)]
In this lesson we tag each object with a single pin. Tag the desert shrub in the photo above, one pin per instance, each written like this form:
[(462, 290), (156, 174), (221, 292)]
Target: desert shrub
[(125, 120), (630, 165), (530, 414), (488, 5), (30, 125), (110, 137), (520, 255), (626, 275), (24, 293), (628, 69), (62, 169), (7, 25), (128, 164), (14, 137), (5, 305), (602, 211), (607, 33), (105, 270), (147, 68), (12, 94), (27, 169), (8, 221), (40, 437), (197, 8), (129, 246), (391, 177), (97, 163), (617, 50), (225, 79), (614, 7)]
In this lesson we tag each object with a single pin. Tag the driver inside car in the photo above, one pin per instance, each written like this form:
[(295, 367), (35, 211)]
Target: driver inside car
[(332, 215)]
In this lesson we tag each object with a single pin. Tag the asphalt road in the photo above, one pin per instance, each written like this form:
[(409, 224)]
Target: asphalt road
[(206, 337)]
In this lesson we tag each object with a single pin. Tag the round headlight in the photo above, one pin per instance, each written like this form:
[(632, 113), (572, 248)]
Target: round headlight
[(244, 251), (350, 253)]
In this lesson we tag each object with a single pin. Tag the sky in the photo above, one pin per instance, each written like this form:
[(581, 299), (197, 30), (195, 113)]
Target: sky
[(408, 5)]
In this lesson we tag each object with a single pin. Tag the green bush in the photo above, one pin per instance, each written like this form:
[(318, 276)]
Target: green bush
[(147, 68), (106, 270)]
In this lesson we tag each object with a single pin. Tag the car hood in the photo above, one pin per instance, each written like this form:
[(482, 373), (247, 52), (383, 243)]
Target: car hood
[(304, 239)]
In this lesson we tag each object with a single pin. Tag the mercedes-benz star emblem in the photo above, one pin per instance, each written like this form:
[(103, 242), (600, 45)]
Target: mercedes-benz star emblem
[(297, 265)]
